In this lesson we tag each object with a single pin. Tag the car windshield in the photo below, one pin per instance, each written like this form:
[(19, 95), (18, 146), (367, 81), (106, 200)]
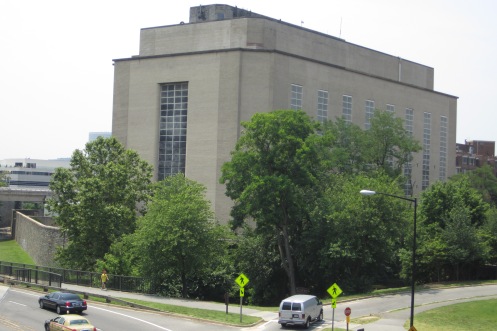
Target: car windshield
[(69, 296), (78, 322)]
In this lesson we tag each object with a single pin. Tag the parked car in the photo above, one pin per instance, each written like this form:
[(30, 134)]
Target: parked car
[(63, 302), (69, 322), (300, 309)]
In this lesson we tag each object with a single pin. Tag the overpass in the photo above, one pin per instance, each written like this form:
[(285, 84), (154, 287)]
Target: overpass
[(24, 194), (9, 196)]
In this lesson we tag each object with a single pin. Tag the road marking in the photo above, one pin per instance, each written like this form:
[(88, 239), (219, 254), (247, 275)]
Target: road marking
[(135, 318), (17, 303)]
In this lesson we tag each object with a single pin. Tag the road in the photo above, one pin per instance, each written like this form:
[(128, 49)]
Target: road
[(19, 310)]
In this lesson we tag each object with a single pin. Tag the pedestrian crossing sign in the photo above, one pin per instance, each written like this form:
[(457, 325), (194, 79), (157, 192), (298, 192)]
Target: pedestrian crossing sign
[(242, 280)]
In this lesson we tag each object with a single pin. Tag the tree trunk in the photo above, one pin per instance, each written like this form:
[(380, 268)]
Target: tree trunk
[(286, 258)]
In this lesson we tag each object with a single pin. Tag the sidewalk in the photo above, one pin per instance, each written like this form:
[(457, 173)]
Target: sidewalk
[(232, 308)]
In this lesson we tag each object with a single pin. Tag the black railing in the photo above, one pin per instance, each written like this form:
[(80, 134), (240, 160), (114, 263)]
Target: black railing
[(56, 276)]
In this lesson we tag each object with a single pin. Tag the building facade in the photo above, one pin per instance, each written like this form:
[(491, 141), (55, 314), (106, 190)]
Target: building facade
[(475, 154), (180, 101)]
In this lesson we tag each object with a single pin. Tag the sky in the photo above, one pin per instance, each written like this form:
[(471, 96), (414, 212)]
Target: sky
[(56, 57)]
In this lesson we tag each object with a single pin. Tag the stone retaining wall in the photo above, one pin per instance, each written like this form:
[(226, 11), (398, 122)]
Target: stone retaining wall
[(40, 241)]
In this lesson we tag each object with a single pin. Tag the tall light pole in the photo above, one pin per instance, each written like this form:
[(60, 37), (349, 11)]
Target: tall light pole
[(367, 192)]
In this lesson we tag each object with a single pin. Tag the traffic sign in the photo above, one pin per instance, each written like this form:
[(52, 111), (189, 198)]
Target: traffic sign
[(334, 290), (347, 311), (242, 292), (242, 280), (333, 303)]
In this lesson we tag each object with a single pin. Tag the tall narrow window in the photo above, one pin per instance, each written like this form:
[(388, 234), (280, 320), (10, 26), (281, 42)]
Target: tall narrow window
[(369, 112), (322, 115), (296, 97), (172, 133), (391, 109), (442, 175), (425, 182), (347, 108), (409, 120)]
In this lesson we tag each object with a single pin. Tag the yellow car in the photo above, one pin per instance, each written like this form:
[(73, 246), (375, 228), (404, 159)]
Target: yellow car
[(70, 322)]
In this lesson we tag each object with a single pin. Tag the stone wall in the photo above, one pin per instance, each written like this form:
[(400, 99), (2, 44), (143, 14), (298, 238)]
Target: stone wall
[(39, 240)]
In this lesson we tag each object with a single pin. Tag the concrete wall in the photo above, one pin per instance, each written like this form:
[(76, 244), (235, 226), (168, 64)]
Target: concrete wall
[(39, 240)]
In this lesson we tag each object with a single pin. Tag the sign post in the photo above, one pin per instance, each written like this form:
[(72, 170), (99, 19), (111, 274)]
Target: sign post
[(334, 291), (347, 312), (241, 280)]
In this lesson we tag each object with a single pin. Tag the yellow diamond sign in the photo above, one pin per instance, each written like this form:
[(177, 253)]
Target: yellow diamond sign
[(334, 290), (242, 280)]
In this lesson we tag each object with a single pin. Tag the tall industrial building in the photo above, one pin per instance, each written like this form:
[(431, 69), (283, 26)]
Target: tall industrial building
[(180, 101)]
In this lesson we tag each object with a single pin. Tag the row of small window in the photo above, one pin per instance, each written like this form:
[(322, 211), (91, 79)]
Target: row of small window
[(170, 160), (323, 101), (172, 132), (170, 147), (178, 108), (170, 171)]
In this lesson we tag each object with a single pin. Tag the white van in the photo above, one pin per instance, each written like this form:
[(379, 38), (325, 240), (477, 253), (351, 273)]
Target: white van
[(300, 310)]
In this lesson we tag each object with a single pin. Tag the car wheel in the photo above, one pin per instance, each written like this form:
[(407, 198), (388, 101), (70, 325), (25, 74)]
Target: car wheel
[(47, 327), (58, 310), (283, 325), (320, 317), (307, 323), (42, 306)]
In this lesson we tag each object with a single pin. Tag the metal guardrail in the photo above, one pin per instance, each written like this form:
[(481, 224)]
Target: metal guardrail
[(56, 276)]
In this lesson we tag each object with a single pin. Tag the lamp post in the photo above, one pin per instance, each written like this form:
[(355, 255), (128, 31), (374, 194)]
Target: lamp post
[(367, 192)]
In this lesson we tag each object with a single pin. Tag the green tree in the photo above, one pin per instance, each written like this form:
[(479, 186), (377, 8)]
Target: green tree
[(348, 145), (450, 231), (484, 180), (363, 235), (95, 201), (388, 145), (273, 175), (178, 241)]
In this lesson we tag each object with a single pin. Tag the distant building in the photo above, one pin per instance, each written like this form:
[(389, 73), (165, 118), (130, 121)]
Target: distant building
[(94, 135), (474, 154), (180, 101), (30, 173)]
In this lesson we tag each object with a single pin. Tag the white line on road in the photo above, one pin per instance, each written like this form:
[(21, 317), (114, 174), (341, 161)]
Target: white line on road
[(135, 318), (17, 303)]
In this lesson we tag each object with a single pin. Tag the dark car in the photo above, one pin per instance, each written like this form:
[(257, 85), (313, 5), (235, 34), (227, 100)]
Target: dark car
[(63, 302)]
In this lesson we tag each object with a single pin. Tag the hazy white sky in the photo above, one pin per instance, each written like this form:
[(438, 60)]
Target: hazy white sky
[(56, 72)]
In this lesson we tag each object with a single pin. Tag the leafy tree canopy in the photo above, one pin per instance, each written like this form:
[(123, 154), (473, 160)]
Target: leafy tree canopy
[(273, 176), (178, 241), (95, 200)]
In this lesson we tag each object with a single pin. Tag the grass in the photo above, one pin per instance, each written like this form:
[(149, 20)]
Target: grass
[(11, 251), (211, 315), (475, 315)]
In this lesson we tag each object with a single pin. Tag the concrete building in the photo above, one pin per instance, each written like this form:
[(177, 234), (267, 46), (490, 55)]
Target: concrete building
[(180, 101)]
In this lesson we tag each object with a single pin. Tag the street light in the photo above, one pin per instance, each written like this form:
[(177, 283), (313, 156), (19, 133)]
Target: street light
[(367, 192)]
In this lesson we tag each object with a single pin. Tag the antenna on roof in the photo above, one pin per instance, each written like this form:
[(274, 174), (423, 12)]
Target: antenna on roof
[(340, 27)]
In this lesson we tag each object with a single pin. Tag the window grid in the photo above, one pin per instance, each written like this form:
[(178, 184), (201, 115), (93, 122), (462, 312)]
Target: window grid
[(391, 109), (409, 120), (347, 108), (172, 130), (425, 182), (296, 97), (322, 115), (369, 112), (443, 148)]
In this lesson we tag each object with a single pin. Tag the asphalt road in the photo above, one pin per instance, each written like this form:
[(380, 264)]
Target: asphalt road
[(19, 310)]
